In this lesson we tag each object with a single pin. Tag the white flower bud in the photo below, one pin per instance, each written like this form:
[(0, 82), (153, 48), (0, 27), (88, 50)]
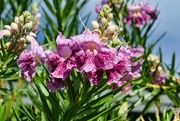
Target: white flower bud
[(8, 33), (21, 40), (95, 24), (14, 27), (16, 19), (7, 27), (160, 69), (104, 21), (28, 25), (29, 38), (111, 29), (21, 19), (8, 44), (32, 34), (110, 16)]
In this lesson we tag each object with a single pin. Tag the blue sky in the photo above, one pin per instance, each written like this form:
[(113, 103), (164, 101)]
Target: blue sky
[(168, 20)]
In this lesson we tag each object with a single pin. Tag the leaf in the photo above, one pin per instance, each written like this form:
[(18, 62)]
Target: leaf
[(49, 6), (16, 116), (41, 86), (31, 117)]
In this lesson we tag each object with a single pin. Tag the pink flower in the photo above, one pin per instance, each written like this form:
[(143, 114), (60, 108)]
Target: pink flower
[(140, 13), (125, 70), (159, 78), (95, 77), (92, 54), (60, 62), (28, 60)]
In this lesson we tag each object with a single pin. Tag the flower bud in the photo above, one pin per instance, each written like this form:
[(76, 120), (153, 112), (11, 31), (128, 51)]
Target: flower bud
[(104, 21), (7, 46), (32, 34), (116, 41), (110, 16), (28, 26), (21, 19), (98, 32), (21, 40), (8, 33), (16, 20), (95, 24), (7, 27), (104, 39), (29, 38), (101, 14), (14, 27), (107, 9), (111, 29)]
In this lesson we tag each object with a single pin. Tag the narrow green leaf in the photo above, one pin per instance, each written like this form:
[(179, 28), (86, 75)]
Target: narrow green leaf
[(31, 117), (16, 116)]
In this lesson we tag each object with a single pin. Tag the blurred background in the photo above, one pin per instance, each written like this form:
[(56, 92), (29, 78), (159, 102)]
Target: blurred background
[(168, 21)]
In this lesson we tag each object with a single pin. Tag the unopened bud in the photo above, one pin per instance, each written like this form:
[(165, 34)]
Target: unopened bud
[(101, 14), (111, 29), (160, 69), (21, 19), (107, 9), (32, 34), (8, 44), (21, 40), (98, 32), (29, 38), (104, 21), (104, 39), (28, 26), (16, 20), (14, 27), (7, 27), (116, 41), (110, 16), (8, 33), (95, 24)]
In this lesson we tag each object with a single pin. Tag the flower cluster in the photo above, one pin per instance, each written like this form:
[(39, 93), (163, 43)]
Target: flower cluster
[(106, 29), (140, 14), (86, 54), (20, 31), (156, 70)]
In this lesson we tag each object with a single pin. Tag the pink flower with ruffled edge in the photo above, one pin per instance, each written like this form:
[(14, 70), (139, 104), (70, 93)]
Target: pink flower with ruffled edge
[(125, 70), (28, 60), (59, 62), (140, 13), (93, 56)]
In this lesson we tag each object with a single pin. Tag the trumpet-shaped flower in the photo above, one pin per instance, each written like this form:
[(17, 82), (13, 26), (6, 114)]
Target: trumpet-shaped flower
[(125, 70), (28, 60), (140, 13), (59, 62), (92, 54)]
